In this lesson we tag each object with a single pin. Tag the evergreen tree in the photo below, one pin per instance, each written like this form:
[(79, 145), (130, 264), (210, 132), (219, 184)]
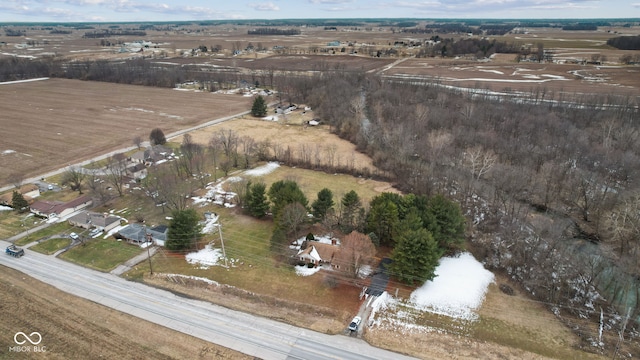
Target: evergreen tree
[(446, 223), (351, 209), (382, 219), (184, 230), (19, 203), (156, 137), (415, 257), (257, 203), (259, 108), (323, 203), (284, 192)]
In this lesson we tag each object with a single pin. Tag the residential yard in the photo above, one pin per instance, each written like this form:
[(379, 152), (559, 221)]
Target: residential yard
[(101, 254), (51, 230), (50, 246), (12, 223)]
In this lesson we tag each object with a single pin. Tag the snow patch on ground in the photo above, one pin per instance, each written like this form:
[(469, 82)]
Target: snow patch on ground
[(305, 271), (208, 281), (5, 208), (205, 258), (7, 152), (210, 224), (262, 170), (458, 289), (457, 292)]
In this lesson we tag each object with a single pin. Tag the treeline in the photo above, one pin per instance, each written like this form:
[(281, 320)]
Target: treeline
[(481, 48), (581, 26), (60, 32), (108, 33), (273, 31), (452, 28), (625, 42), (13, 32), (14, 68)]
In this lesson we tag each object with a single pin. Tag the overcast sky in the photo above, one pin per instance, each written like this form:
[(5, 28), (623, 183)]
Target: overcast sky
[(181, 10)]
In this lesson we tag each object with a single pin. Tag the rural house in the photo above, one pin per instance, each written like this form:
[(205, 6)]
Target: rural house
[(137, 171), (139, 234), (51, 209), (89, 219), (318, 253), (152, 154), (29, 192)]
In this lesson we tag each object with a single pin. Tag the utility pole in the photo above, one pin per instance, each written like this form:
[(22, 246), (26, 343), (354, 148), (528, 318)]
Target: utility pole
[(150, 240), (224, 254)]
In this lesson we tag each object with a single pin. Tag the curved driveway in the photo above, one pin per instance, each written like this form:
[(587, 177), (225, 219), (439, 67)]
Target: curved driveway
[(252, 335)]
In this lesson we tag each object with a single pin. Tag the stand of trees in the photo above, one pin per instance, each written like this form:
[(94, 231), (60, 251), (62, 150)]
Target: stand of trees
[(625, 42)]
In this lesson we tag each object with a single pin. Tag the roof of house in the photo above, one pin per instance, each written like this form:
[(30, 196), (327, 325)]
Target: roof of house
[(320, 251), (7, 198), (56, 207), (93, 218), (138, 232), (135, 168)]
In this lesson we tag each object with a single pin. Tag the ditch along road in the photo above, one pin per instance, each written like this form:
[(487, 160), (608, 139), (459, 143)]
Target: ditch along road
[(256, 336)]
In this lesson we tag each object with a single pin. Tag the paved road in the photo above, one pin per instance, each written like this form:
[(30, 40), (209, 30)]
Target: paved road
[(252, 335)]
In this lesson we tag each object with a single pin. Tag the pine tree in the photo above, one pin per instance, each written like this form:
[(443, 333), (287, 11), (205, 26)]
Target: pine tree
[(323, 203), (259, 108), (257, 203), (18, 202), (351, 205), (284, 192), (156, 137), (382, 220), (415, 257), (446, 223), (184, 230)]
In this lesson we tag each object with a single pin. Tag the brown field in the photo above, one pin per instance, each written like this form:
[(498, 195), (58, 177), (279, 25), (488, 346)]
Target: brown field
[(75, 328), (49, 124)]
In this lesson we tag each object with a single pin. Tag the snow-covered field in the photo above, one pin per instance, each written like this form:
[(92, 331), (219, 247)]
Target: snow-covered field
[(458, 292)]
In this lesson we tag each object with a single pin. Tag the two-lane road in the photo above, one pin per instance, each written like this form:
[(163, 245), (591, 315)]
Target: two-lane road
[(252, 335)]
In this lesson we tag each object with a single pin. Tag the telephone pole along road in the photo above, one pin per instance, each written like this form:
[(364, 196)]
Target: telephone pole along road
[(252, 335)]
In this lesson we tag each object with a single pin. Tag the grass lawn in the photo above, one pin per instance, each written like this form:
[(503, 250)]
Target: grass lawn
[(53, 229), (12, 223), (101, 254), (50, 246), (311, 182)]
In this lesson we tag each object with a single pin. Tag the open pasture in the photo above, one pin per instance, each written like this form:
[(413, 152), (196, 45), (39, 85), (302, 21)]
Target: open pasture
[(51, 123)]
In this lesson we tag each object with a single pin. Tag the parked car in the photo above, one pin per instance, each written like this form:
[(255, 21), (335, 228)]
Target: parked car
[(94, 232), (355, 323), (74, 236)]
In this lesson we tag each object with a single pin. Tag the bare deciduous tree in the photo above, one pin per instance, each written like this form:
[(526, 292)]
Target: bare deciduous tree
[(74, 177), (356, 251)]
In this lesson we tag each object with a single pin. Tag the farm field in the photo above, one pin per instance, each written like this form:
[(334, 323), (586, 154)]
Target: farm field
[(75, 328), (51, 123)]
